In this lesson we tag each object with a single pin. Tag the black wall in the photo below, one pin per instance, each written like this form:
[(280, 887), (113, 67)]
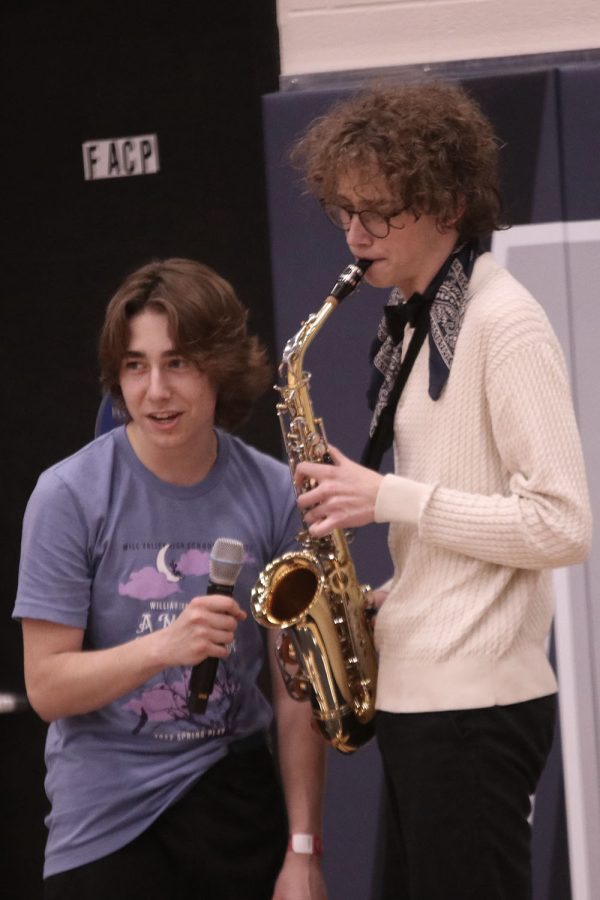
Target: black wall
[(192, 73)]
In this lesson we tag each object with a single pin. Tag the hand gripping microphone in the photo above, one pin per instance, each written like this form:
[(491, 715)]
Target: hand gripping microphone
[(226, 559)]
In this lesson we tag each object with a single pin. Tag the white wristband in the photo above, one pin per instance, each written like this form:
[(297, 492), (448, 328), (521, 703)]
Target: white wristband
[(309, 844)]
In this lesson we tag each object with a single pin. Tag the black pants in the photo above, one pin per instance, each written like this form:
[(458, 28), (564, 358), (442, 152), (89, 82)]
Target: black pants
[(459, 785), (224, 840)]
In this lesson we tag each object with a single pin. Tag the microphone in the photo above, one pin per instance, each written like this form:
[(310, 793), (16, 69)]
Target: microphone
[(226, 559)]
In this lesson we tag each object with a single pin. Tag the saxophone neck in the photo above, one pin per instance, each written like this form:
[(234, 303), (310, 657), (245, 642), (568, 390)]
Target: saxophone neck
[(296, 347), (293, 354)]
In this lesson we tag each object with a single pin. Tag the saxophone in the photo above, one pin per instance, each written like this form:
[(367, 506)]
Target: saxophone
[(325, 646)]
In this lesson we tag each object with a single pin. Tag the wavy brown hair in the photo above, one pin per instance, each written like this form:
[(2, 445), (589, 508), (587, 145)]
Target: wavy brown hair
[(430, 142), (207, 324)]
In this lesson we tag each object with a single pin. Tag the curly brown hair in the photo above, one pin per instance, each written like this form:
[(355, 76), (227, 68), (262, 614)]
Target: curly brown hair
[(207, 324), (430, 142)]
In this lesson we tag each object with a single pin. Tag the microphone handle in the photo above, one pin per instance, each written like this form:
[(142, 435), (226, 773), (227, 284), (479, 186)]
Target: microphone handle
[(202, 678)]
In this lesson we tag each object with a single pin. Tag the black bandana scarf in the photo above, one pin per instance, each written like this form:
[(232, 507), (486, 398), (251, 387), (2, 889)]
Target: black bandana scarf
[(438, 312)]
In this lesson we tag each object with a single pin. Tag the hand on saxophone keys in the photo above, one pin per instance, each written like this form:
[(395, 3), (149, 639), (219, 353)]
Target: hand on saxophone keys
[(343, 495)]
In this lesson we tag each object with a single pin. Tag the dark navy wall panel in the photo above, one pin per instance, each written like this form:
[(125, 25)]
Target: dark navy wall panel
[(307, 254), (579, 110)]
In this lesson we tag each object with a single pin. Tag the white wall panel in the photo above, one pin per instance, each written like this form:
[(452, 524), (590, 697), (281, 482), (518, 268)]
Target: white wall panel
[(337, 35)]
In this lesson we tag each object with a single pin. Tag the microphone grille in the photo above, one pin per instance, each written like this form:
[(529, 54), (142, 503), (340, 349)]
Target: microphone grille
[(226, 558)]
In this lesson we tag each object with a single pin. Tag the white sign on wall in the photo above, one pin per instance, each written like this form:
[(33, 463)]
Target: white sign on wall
[(120, 157)]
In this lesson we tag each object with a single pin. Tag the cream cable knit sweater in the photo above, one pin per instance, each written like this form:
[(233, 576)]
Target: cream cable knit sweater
[(490, 494)]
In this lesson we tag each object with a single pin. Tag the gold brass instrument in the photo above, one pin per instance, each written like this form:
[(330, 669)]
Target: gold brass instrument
[(325, 648)]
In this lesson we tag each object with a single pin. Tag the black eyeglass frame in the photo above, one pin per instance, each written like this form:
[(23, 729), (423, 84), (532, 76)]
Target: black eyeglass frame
[(332, 211)]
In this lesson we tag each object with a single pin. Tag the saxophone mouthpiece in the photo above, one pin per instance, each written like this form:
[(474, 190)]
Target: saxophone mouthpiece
[(350, 278)]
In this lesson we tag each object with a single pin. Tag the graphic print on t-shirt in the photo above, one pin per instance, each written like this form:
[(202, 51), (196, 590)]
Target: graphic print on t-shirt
[(178, 573)]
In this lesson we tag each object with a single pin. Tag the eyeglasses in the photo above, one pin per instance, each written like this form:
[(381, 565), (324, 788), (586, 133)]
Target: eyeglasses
[(375, 223)]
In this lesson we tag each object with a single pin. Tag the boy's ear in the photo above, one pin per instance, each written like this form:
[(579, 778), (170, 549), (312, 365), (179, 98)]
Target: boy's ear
[(453, 220)]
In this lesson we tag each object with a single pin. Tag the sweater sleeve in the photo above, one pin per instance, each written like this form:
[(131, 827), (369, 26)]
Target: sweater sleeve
[(401, 499), (544, 519)]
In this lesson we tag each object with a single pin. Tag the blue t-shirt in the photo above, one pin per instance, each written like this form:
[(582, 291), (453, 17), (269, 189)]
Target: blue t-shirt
[(112, 549)]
